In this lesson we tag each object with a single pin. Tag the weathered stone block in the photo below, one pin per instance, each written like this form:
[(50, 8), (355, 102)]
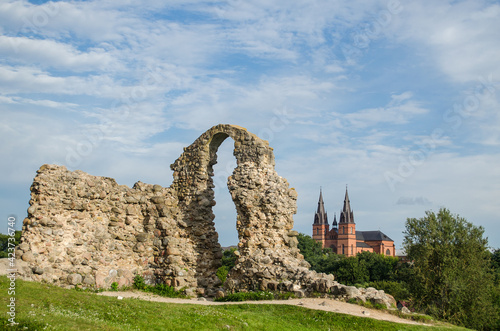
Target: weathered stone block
[(142, 237), (74, 279), (28, 257), (89, 280)]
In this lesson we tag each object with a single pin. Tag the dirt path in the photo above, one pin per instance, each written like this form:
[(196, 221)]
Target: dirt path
[(318, 304)]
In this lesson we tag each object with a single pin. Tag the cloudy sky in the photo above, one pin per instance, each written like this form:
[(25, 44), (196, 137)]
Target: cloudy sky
[(399, 100)]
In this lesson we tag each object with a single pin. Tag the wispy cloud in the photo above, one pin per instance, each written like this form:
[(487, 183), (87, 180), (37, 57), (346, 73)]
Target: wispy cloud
[(413, 201), (400, 110), (460, 37), (50, 53)]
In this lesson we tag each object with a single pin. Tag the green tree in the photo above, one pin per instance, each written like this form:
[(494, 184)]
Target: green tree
[(351, 271), (4, 243), (229, 258), (380, 267), (228, 261), (330, 262), (495, 263), (312, 252), (452, 275)]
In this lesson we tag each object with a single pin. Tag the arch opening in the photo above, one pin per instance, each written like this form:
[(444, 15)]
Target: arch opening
[(224, 209)]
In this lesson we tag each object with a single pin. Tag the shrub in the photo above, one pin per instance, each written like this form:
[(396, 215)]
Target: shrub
[(398, 290), (114, 286), (366, 304), (284, 295), (164, 290), (222, 273), (247, 296), (160, 289), (379, 306), (139, 282), (352, 301), (229, 258)]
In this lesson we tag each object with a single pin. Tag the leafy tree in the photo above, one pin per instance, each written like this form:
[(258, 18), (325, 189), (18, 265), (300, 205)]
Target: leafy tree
[(495, 264), (229, 258), (228, 262), (351, 271), (222, 273), (452, 278), (4, 243), (330, 262), (380, 267), (403, 272), (312, 252)]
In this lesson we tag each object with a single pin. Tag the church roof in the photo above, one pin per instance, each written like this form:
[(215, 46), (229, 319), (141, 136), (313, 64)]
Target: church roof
[(372, 236), (320, 217), (362, 244), (346, 215)]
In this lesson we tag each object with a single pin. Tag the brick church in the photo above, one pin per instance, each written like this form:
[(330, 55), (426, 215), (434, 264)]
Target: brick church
[(343, 237)]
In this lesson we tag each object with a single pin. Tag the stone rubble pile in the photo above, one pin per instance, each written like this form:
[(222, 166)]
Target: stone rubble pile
[(90, 231)]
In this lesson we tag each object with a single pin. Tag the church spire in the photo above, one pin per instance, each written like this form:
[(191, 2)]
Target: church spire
[(346, 215), (320, 217)]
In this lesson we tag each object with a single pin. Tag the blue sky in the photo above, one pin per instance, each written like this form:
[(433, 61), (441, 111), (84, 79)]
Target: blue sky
[(398, 99)]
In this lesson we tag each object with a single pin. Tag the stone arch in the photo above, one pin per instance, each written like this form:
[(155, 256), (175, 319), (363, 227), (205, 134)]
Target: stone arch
[(167, 235), (264, 205)]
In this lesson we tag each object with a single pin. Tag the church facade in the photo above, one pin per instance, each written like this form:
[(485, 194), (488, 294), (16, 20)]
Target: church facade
[(343, 238)]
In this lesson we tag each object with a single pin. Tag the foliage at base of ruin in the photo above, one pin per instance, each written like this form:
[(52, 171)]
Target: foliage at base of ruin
[(159, 289)]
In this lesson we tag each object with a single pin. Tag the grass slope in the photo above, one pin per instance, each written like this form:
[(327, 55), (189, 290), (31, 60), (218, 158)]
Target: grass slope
[(41, 306)]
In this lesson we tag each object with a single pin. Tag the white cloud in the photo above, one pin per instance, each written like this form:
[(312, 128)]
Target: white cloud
[(482, 122), (50, 53), (61, 19), (130, 126), (26, 80), (40, 102), (461, 37), (4, 99), (30, 139), (398, 111), (258, 105), (413, 201)]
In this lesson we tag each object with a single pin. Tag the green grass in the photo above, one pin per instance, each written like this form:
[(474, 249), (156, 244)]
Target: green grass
[(41, 306)]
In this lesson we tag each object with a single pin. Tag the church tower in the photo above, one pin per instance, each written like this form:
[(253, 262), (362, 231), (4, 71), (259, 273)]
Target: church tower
[(346, 243), (320, 225)]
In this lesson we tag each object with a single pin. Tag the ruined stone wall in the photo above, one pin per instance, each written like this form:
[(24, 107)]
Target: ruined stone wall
[(83, 229), (88, 230), (264, 203)]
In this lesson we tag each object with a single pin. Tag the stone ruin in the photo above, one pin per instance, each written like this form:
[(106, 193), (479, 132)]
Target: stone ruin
[(89, 231)]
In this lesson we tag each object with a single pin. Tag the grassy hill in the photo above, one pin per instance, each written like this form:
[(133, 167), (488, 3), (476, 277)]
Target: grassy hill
[(45, 307)]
